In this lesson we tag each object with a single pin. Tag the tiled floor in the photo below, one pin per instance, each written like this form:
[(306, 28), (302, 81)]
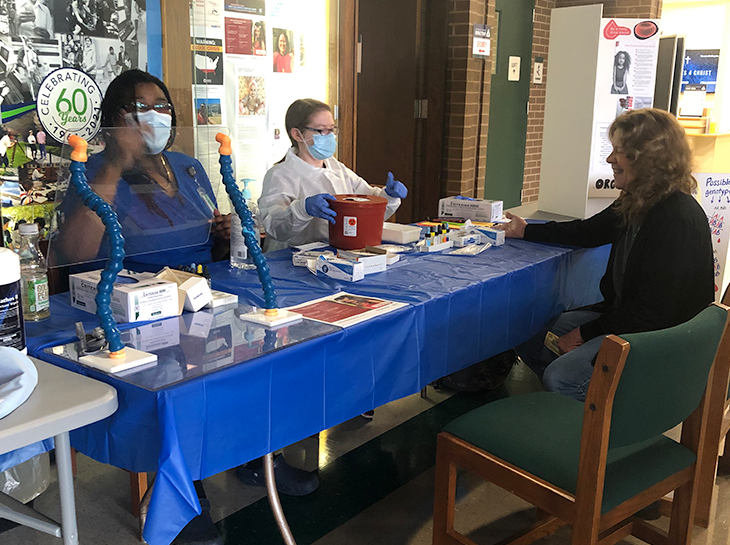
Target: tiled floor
[(376, 488)]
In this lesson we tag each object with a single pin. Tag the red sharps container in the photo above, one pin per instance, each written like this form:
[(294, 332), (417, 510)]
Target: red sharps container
[(359, 221)]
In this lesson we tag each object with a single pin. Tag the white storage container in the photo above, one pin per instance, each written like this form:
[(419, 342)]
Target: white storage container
[(400, 234)]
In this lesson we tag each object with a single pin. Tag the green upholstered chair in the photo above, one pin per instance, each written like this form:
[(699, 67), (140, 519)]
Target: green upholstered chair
[(593, 465), (718, 429)]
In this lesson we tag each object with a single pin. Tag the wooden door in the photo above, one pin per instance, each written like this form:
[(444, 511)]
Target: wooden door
[(387, 87)]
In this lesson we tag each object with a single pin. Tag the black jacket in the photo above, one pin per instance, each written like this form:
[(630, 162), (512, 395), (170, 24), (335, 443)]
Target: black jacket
[(669, 271)]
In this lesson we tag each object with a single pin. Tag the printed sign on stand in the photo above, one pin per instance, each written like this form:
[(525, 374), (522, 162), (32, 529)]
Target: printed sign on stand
[(627, 59), (715, 199)]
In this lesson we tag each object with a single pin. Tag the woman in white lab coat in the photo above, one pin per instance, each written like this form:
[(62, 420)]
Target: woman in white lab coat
[(294, 203)]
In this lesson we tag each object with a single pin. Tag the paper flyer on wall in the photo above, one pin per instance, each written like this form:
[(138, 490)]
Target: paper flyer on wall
[(345, 309), (714, 192), (265, 55), (626, 73)]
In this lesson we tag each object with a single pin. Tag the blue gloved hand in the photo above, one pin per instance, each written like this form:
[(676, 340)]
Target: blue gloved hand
[(318, 207), (394, 188)]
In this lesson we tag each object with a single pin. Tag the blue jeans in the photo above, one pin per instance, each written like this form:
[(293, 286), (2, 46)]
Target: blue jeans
[(569, 374)]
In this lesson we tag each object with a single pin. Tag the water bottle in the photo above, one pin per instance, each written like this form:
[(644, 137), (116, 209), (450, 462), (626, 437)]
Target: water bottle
[(240, 257), (33, 275)]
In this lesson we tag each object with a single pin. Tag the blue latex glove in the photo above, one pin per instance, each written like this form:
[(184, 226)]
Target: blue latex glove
[(394, 188), (462, 198), (318, 207)]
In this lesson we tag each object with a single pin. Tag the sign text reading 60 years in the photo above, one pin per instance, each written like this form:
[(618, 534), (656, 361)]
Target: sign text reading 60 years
[(69, 102)]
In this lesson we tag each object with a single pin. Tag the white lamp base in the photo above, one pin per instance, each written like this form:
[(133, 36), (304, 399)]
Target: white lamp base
[(283, 317), (132, 358)]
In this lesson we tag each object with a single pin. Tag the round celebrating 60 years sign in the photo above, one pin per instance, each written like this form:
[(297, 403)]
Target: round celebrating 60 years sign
[(69, 102)]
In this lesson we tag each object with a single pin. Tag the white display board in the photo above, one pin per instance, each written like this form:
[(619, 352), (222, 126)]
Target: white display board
[(714, 191), (611, 71), (251, 60), (627, 59)]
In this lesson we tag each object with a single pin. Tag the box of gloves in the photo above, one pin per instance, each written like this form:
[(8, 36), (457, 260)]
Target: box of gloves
[(135, 297), (339, 269), (470, 209)]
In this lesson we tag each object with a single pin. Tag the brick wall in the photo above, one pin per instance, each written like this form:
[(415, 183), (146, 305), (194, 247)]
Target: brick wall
[(467, 100), (533, 145)]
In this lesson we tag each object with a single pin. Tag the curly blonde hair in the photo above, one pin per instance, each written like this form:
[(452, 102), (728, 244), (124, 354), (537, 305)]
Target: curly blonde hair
[(656, 146)]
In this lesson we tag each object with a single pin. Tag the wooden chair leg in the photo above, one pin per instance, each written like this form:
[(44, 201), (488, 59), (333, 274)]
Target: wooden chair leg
[(139, 487), (444, 494), (680, 526)]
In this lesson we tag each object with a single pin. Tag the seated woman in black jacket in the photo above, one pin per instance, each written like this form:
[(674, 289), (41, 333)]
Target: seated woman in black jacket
[(660, 271)]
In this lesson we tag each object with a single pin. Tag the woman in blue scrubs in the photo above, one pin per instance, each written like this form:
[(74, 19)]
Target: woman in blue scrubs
[(163, 199)]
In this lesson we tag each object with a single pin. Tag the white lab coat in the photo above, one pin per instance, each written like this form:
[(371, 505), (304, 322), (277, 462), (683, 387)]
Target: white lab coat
[(288, 184)]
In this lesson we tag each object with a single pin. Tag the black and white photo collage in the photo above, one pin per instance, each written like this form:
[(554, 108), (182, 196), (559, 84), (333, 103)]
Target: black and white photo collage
[(101, 37)]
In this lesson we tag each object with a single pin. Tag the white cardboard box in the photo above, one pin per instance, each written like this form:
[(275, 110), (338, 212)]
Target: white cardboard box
[(339, 269), (373, 263), (477, 209), (495, 236), (193, 290), (136, 296), (400, 234)]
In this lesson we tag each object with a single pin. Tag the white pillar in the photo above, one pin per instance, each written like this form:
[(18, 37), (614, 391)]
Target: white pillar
[(722, 89)]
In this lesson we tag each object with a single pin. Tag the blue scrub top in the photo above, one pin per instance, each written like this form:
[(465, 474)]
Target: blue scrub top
[(160, 230)]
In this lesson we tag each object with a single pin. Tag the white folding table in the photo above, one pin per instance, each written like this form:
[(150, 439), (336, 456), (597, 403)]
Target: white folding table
[(62, 401)]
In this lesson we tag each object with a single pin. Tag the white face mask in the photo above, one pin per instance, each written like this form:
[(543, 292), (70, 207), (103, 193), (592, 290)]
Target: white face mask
[(156, 130)]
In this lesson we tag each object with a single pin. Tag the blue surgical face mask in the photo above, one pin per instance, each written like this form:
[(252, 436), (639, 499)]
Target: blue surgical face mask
[(156, 133), (323, 147)]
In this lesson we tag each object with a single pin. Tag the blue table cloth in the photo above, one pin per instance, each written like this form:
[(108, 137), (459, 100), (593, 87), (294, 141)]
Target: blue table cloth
[(461, 310)]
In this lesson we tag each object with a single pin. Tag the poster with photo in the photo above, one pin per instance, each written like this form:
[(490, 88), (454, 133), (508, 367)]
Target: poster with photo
[(626, 73), (251, 95), (283, 52), (26, 62), (125, 20), (208, 111), (254, 7), (101, 38), (207, 54)]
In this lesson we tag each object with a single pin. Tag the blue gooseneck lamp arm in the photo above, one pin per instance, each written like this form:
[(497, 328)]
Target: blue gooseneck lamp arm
[(248, 228), (116, 243), (251, 237)]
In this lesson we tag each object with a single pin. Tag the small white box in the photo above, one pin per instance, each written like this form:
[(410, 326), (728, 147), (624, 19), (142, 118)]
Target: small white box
[(193, 290), (495, 236), (475, 210), (400, 234), (339, 269), (299, 259), (374, 263), (135, 297), (464, 240)]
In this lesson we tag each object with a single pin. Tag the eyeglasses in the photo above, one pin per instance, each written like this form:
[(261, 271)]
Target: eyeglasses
[(324, 132), (141, 107)]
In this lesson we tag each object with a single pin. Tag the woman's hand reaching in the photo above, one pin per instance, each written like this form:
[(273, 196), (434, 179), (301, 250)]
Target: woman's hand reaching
[(515, 228)]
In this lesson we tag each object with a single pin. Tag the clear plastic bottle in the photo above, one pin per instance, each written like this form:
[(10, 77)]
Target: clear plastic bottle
[(33, 275), (240, 257)]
